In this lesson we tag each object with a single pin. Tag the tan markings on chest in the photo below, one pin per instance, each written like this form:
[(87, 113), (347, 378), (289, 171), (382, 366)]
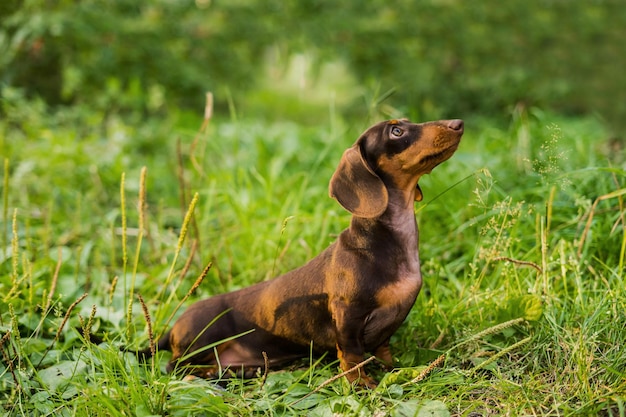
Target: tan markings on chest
[(402, 291)]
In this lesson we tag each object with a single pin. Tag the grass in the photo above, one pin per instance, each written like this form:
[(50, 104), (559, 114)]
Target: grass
[(522, 244)]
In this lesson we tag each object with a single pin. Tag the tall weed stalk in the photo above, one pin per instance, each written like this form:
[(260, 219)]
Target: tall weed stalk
[(5, 203), (141, 227)]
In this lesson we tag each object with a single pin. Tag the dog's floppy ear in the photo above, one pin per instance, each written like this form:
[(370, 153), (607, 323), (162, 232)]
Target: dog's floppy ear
[(356, 187)]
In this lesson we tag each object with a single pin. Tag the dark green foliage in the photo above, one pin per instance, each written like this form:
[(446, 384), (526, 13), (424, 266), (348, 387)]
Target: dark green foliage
[(129, 54), (527, 312), (440, 57), (455, 57)]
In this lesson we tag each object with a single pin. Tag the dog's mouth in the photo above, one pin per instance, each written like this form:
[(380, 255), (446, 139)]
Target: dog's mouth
[(435, 159), (430, 161), (447, 142)]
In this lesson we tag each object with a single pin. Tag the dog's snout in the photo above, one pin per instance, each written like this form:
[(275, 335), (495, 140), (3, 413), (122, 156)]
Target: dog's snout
[(456, 124)]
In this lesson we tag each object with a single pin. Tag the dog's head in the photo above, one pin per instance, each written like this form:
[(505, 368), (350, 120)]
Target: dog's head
[(394, 153)]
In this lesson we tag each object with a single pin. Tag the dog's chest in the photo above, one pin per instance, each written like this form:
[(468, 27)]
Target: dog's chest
[(402, 291), (394, 301), (404, 278)]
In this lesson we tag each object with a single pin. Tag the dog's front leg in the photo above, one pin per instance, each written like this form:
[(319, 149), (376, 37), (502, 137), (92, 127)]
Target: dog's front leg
[(349, 327), (383, 353)]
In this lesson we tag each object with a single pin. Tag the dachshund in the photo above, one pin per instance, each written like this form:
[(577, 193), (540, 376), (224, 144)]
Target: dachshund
[(353, 296)]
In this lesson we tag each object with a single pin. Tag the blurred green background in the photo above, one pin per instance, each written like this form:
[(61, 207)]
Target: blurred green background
[(291, 59), (526, 220)]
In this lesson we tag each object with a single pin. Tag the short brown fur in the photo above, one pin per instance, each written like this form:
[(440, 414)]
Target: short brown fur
[(353, 296)]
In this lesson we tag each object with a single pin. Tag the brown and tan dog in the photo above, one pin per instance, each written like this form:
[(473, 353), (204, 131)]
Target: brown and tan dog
[(350, 298)]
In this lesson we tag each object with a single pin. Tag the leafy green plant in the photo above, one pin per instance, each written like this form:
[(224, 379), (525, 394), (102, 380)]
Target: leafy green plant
[(521, 310)]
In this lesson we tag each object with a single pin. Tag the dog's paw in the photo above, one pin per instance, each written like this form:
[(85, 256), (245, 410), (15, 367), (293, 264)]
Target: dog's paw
[(367, 382), (361, 380)]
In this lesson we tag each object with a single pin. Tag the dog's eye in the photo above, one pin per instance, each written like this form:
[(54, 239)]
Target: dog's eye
[(396, 131)]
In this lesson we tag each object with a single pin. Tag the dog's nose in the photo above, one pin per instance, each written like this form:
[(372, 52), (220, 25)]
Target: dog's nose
[(456, 124)]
